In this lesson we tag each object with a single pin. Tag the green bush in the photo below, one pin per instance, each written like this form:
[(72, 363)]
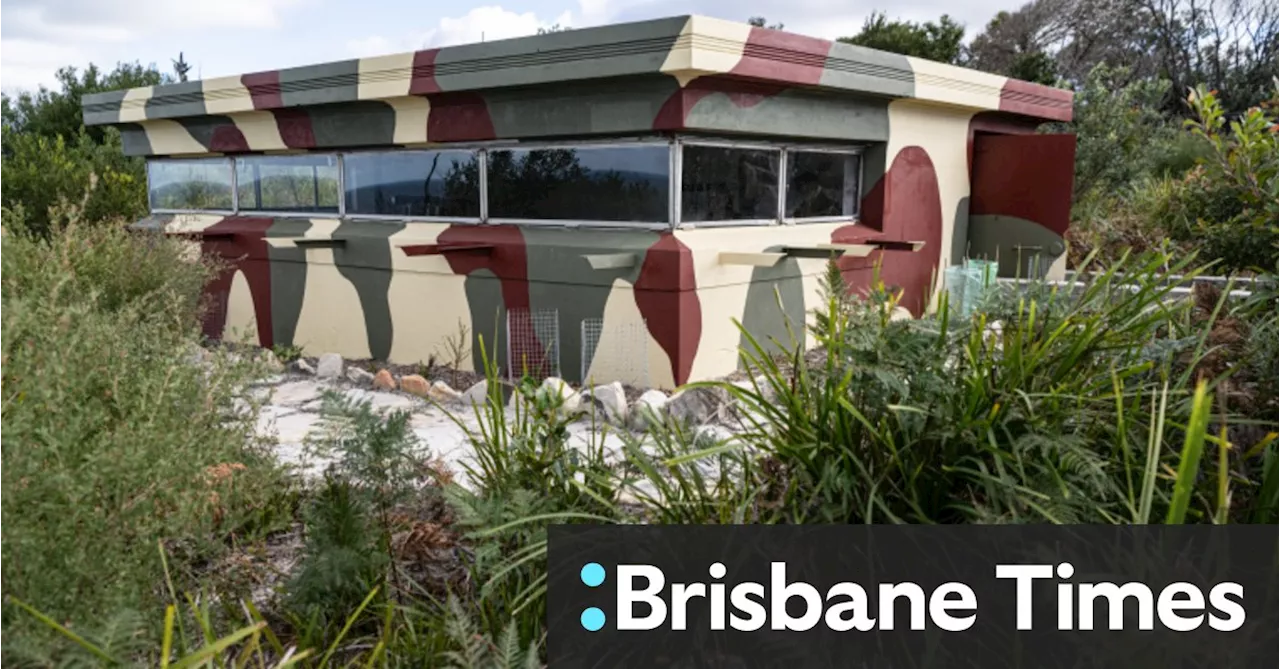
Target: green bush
[(1228, 205), (40, 172), (114, 440)]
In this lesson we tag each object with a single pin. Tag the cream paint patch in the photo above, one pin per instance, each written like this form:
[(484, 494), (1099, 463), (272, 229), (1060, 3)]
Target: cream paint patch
[(170, 138), (133, 107), (226, 95), (428, 301), (411, 119), (332, 318), (188, 223), (1058, 270), (385, 76), (260, 130), (723, 289), (706, 46), (625, 349), (944, 134), (242, 321), (948, 84)]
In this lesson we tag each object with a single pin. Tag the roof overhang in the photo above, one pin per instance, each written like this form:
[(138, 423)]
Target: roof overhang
[(688, 49)]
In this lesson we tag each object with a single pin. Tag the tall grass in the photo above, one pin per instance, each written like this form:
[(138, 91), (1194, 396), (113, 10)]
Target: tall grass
[(1041, 407)]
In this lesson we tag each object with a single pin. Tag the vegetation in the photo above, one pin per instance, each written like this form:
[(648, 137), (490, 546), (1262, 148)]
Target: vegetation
[(138, 508)]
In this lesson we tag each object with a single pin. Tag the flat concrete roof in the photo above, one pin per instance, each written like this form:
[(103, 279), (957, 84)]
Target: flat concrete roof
[(690, 49)]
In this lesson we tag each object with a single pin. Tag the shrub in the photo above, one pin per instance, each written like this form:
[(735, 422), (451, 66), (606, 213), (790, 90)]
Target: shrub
[(113, 439), (1228, 203)]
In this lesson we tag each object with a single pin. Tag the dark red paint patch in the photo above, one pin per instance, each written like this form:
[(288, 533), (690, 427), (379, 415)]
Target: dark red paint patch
[(264, 88), (506, 259), (1026, 176), (904, 206), (666, 294), (458, 117), (227, 138), (423, 79), (674, 113), (778, 56), (500, 249), (295, 128), (240, 243), (1046, 102), (996, 122)]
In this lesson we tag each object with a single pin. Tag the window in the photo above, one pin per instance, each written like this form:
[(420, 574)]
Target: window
[(822, 184), (302, 183), (412, 183), (606, 183), (728, 184), (190, 184)]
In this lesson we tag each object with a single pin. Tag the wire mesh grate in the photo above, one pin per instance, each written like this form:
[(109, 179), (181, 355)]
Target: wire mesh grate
[(533, 343), (616, 353)]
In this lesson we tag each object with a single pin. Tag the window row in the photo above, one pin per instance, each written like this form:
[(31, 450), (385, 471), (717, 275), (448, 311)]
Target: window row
[(646, 183)]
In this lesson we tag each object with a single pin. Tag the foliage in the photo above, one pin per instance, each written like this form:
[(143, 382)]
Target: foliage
[(1042, 405), (1228, 203), (940, 40), (113, 439), (41, 171), (49, 155), (57, 113)]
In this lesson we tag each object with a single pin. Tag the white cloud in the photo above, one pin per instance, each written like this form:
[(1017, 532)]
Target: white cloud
[(480, 24), (113, 20), (39, 37)]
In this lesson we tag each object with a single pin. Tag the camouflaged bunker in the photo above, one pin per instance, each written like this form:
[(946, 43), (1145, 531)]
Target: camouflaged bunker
[(602, 203)]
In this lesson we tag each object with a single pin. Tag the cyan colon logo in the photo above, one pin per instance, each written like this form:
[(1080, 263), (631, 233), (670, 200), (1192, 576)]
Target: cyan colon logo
[(592, 576)]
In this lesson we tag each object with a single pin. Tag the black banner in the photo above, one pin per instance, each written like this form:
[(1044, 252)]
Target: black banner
[(912, 596)]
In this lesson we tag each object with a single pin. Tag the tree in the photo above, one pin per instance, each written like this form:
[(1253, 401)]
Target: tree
[(939, 41), (57, 113), (759, 22), (49, 155)]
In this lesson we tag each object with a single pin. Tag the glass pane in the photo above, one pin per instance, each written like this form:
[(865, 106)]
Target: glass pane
[(581, 184), (305, 183), (821, 184), (726, 184), (190, 184), (413, 183)]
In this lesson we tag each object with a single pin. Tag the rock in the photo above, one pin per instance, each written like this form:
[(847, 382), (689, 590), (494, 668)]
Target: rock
[(383, 380), (477, 394), (359, 376), (267, 361), (610, 400), (301, 366), (414, 384), (556, 392), (698, 405), (441, 392), (329, 366), (648, 408)]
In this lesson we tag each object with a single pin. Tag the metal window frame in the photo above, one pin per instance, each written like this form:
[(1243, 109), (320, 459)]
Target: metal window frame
[(604, 143), (337, 160), (477, 151), (170, 159), (675, 146), (682, 141), (830, 149)]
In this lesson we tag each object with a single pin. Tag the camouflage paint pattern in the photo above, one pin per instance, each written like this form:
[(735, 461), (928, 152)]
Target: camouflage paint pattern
[(951, 169)]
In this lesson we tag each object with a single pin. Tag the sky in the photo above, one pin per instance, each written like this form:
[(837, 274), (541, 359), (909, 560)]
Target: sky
[(229, 37)]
